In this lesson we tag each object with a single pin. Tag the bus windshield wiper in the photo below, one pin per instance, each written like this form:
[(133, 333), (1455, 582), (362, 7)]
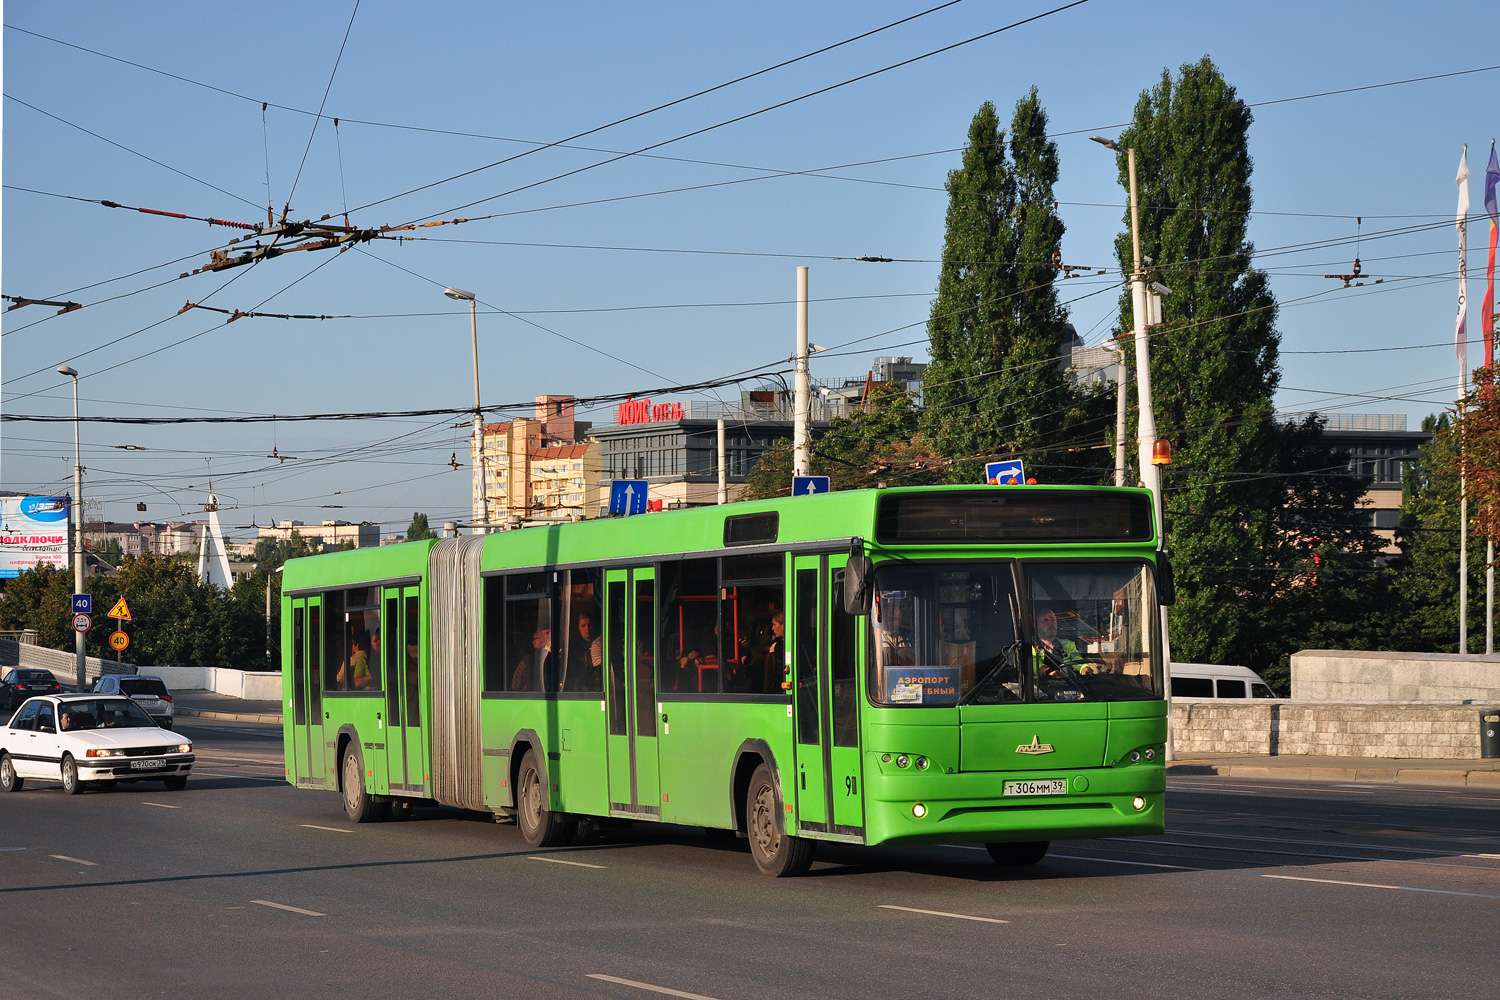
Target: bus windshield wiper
[(1005, 660)]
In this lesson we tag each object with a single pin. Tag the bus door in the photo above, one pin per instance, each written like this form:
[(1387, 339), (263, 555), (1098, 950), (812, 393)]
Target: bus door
[(826, 696), (630, 669), (307, 691), (401, 634)]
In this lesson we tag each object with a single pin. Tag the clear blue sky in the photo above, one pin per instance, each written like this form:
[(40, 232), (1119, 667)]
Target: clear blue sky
[(541, 72)]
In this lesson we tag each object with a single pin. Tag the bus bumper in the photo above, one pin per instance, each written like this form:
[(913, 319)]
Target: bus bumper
[(970, 807)]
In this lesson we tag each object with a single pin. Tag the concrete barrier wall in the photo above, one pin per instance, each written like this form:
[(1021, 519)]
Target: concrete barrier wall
[(252, 685), (63, 665), (1337, 675), (1440, 732)]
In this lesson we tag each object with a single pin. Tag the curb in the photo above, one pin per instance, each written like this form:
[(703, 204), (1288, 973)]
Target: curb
[(1431, 777), (229, 716)]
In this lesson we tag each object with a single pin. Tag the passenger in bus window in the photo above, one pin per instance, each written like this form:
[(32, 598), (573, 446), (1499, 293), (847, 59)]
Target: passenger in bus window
[(535, 664), (586, 656), (775, 654)]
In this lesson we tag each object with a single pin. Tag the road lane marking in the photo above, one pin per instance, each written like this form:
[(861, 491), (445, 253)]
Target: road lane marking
[(330, 829), (160, 805), (647, 986), (1267, 852), (1493, 856), (943, 913), (12, 848), (239, 777), (76, 861), (290, 909), (1333, 881), (579, 864), (1288, 878)]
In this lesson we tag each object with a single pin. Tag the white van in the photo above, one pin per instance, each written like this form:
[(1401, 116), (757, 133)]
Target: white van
[(1212, 680)]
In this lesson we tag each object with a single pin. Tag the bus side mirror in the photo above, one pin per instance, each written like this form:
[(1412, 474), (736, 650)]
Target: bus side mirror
[(1166, 587), (859, 583)]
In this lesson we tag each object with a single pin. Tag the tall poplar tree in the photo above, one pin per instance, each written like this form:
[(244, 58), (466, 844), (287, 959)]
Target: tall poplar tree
[(1250, 501), (996, 329)]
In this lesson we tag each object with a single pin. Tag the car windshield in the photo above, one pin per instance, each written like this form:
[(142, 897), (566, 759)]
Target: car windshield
[(142, 685), (103, 713), (947, 634)]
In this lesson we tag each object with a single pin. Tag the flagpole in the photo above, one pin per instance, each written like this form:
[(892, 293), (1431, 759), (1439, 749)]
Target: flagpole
[(1461, 335)]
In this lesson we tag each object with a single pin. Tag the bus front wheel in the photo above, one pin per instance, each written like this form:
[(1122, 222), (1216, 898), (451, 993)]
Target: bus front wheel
[(359, 804), (539, 825), (1027, 852), (776, 852)]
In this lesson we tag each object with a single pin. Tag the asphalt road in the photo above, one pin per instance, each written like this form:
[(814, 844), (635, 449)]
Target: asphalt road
[(241, 886)]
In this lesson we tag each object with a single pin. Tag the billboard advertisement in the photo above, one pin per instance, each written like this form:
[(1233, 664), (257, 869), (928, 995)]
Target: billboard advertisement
[(33, 532)]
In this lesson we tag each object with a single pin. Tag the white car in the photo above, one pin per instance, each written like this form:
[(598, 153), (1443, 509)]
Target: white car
[(83, 739)]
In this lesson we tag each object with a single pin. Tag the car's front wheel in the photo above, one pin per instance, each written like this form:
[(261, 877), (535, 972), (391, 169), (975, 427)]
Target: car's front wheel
[(10, 781), (71, 784)]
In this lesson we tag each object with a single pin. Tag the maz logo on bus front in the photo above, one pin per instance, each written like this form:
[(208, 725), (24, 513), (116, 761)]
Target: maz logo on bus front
[(1034, 747)]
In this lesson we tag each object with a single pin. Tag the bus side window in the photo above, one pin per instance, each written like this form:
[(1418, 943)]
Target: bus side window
[(495, 658), (615, 659), (333, 639), (845, 675)]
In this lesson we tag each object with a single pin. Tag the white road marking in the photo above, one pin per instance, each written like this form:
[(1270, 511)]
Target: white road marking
[(330, 829), (578, 864), (647, 986), (1334, 881), (1138, 864), (943, 913), (241, 777), (12, 848), (160, 805), (290, 909), (1465, 855), (76, 861)]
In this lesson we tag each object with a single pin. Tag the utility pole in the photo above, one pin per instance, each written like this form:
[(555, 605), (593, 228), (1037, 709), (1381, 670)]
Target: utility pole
[(76, 536), (723, 472), (802, 404), (481, 503), (1122, 393)]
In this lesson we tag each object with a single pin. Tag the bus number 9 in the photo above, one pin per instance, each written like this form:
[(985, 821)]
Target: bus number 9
[(851, 785)]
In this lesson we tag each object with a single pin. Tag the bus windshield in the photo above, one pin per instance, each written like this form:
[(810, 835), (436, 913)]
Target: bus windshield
[(947, 634)]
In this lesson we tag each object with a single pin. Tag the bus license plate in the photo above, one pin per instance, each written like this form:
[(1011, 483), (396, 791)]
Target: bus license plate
[(1052, 786), (152, 763)]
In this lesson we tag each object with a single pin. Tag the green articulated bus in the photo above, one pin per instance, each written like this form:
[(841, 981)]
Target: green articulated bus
[(943, 665)]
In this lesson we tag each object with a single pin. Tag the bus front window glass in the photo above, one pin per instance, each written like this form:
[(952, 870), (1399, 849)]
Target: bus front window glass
[(942, 634), (1093, 635)]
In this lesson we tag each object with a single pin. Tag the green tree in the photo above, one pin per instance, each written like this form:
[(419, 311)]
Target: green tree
[(419, 530), (272, 552), (996, 329), (877, 443), (1427, 570), (40, 598), (1249, 500)]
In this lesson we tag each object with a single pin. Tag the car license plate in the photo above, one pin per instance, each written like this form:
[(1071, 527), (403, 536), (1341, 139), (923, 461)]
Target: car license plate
[(1051, 786), (152, 763)]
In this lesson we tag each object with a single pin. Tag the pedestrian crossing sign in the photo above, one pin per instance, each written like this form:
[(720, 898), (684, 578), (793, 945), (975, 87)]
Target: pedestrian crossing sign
[(120, 611)]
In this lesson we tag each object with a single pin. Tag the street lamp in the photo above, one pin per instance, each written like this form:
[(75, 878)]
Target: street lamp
[(481, 511), (75, 538)]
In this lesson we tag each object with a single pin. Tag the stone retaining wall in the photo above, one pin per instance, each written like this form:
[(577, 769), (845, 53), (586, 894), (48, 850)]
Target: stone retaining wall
[(1444, 732), (1351, 676)]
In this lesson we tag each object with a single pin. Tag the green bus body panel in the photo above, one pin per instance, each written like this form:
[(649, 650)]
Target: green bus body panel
[(972, 749)]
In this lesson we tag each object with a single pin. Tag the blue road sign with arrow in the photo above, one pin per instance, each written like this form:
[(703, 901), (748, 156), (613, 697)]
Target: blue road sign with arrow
[(805, 486), (627, 496), (83, 604), (1008, 473)]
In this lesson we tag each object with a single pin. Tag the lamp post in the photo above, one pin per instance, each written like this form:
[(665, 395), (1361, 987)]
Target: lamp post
[(481, 511), (76, 536)]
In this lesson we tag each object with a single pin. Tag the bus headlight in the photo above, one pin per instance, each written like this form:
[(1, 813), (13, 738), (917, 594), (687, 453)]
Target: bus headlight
[(1138, 802), (919, 810), (922, 763), (902, 760)]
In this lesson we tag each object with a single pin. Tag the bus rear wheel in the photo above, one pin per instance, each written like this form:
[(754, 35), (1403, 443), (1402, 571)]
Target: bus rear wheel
[(1027, 852), (539, 825), (776, 853)]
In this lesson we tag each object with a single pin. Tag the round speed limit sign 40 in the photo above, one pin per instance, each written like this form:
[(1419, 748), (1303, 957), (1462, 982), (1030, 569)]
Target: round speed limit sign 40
[(118, 641)]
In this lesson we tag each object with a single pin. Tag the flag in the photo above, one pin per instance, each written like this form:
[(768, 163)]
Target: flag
[(1461, 327), (1487, 314)]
